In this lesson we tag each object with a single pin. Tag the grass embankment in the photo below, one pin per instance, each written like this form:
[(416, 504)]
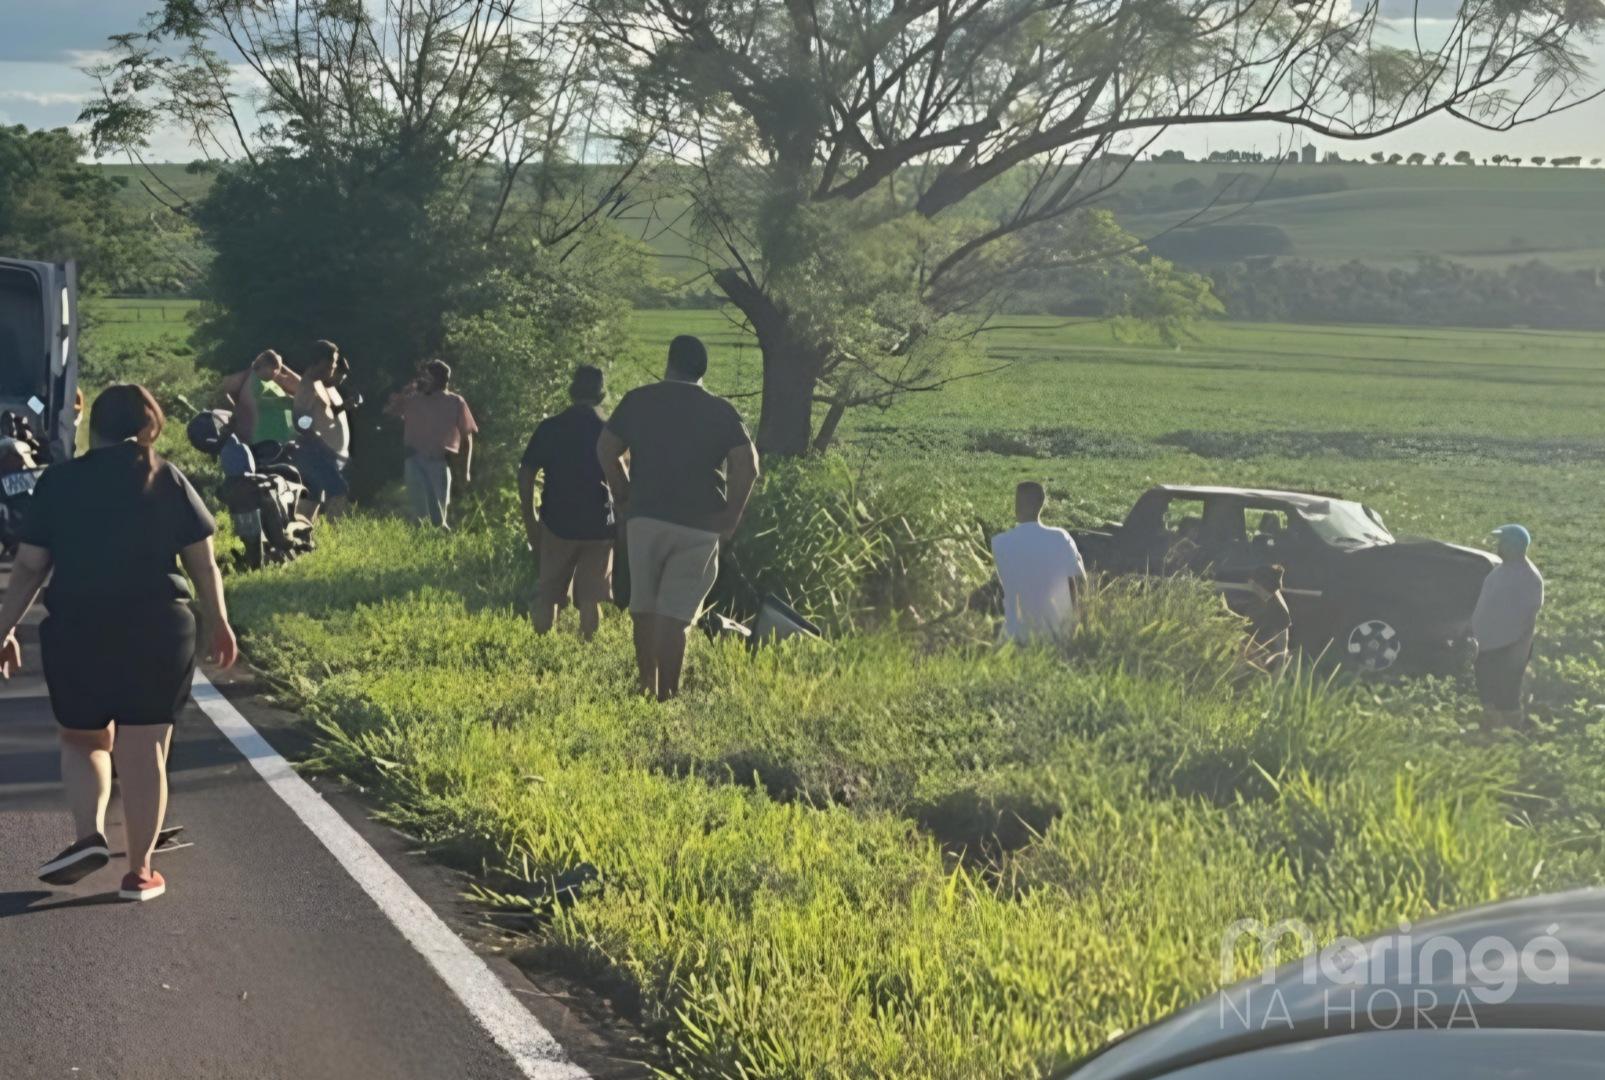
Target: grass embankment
[(869, 858)]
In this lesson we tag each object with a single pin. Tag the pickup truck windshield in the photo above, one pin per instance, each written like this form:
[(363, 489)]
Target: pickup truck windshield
[(1346, 524)]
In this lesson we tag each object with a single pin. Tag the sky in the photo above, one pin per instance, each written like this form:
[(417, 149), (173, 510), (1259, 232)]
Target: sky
[(46, 44)]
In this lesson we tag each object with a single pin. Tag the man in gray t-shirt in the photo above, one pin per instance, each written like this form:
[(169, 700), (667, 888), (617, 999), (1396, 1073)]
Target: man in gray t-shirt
[(691, 469)]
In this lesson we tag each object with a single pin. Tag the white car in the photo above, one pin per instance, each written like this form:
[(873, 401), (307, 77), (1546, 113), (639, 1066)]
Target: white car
[(1507, 991)]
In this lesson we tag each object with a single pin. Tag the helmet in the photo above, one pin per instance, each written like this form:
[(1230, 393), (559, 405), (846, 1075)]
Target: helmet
[(236, 457), (208, 430)]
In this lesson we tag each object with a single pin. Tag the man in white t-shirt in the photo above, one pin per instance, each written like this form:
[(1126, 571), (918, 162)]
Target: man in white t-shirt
[(1040, 569)]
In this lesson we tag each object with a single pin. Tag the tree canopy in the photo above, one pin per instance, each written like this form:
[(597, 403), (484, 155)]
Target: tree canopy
[(807, 127), (53, 207), (376, 165), (868, 181)]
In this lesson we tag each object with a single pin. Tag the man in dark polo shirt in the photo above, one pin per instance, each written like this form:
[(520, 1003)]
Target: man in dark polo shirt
[(692, 466), (574, 534)]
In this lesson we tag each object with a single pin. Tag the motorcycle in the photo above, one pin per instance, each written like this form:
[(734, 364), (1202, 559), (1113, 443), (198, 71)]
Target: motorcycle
[(261, 490), (21, 461)]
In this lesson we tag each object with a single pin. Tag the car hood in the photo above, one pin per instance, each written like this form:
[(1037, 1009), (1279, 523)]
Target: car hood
[(1458, 959), (1415, 566), (1421, 550)]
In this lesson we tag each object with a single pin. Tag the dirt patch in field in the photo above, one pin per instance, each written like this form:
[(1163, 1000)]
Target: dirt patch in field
[(1059, 442)]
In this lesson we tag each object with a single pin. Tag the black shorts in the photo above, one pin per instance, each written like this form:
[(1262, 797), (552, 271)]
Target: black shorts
[(1500, 674), (128, 664)]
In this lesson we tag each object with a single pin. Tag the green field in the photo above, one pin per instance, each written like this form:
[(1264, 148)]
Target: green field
[(1387, 214), (1486, 216), (114, 323), (1483, 216), (906, 853), (1447, 433), (145, 341), (173, 183)]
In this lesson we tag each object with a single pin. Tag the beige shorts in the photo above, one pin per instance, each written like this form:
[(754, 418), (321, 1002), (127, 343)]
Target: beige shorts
[(581, 567), (672, 568)]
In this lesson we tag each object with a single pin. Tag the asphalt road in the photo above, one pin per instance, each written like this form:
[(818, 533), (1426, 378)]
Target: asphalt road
[(264, 959)]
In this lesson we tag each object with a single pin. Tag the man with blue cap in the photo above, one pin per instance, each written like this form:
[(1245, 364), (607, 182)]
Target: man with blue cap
[(1503, 624)]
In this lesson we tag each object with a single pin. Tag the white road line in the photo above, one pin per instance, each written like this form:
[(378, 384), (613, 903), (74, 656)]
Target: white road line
[(486, 997)]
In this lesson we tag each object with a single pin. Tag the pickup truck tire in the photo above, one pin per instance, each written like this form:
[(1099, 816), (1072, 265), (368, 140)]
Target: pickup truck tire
[(1370, 643)]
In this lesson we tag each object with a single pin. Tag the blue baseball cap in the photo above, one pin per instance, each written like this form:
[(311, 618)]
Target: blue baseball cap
[(1516, 536)]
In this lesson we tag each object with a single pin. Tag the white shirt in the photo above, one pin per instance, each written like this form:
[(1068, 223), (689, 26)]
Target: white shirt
[(1512, 594), (1035, 565)]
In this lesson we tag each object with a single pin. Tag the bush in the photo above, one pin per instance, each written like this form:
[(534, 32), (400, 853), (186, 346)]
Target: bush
[(1176, 628), (847, 552), (529, 326)]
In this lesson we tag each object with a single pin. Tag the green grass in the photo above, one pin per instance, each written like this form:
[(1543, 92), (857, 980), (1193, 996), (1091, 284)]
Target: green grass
[(117, 322), (1447, 433), (868, 858), (912, 856), (148, 342), (168, 179)]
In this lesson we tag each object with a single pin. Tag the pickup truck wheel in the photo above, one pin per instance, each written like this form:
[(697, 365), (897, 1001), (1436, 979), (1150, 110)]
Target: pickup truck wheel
[(1372, 645)]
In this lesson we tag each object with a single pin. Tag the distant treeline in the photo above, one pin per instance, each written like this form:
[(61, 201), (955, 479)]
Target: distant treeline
[(1435, 292)]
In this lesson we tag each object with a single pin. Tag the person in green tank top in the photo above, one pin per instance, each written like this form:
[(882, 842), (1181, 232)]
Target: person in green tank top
[(262, 396), (272, 403)]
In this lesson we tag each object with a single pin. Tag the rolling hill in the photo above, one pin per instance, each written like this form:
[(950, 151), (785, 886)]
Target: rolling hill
[(1398, 213), (1484, 215)]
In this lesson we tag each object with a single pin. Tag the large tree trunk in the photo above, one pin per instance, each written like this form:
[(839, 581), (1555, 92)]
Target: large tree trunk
[(785, 421), (791, 368)]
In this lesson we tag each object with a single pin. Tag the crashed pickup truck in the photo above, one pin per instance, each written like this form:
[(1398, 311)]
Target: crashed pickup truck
[(1351, 585)]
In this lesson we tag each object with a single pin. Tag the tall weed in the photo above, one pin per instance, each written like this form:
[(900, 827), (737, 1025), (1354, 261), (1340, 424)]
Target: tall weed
[(847, 552)]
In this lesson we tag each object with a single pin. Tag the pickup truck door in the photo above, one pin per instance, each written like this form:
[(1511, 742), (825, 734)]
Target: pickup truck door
[(39, 348), (1288, 543)]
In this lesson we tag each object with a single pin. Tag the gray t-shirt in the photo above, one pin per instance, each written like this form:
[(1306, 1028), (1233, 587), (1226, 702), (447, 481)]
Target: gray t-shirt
[(679, 436), (1512, 594)]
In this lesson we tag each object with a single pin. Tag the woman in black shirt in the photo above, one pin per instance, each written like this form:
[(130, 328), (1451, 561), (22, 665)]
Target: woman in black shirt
[(110, 530)]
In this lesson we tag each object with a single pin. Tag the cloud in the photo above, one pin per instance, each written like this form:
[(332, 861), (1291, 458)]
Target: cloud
[(1424, 10), (89, 58), (46, 98)]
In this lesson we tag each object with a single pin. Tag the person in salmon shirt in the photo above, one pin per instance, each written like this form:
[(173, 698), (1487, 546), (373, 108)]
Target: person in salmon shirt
[(437, 428)]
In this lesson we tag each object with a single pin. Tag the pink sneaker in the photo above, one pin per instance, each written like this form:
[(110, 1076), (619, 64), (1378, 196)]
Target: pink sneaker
[(142, 886)]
